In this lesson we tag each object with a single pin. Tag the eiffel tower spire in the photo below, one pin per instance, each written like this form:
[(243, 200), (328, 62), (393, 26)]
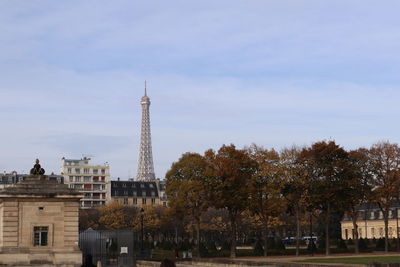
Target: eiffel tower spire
[(145, 166)]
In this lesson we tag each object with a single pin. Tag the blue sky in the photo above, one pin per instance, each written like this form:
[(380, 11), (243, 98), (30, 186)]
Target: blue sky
[(274, 73)]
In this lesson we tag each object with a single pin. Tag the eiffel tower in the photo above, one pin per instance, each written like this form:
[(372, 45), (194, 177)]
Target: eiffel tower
[(145, 167)]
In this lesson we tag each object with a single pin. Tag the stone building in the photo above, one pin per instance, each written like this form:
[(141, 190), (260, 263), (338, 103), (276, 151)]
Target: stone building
[(39, 223), (370, 222), (92, 180)]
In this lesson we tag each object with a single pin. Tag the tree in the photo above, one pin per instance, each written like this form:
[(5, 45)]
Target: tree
[(89, 218), (186, 188), (358, 187), (229, 175), (326, 167), (385, 162), (295, 189), (113, 216), (265, 188)]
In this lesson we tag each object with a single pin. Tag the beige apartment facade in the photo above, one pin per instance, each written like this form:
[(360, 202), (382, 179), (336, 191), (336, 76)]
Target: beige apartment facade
[(90, 179), (370, 223)]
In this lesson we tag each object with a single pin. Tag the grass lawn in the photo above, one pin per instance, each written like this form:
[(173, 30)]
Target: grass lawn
[(357, 260)]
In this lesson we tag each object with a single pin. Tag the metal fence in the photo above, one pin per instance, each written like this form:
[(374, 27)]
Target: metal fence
[(111, 247)]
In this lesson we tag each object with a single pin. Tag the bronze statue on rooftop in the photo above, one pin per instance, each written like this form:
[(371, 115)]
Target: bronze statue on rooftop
[(37, 169)]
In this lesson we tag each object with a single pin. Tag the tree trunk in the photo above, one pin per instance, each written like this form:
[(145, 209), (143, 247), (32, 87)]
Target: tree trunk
[(198, 236), (265, 236), (176, 235), (327, 243), (355, 226), (386, 220), (297, 231), (233, 236)]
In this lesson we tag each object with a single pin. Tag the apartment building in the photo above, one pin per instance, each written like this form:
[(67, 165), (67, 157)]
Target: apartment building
[(138, 193), (92, 180)]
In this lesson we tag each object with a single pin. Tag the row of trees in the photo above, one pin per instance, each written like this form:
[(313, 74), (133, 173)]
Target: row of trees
[(266, 185)]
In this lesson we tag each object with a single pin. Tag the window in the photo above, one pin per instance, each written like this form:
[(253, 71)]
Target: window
[(123, 185), (87, 186), (125, 193), (103, 171), (360, 232), (143, 201), (85, 170), (346, 233), (134, 201), (77, 170), (153, 201), (164, 204), (125, 201), (78, 186), (153, 194), (69, 170), (373, 232), (77, 178), (95, 171), (71, 178), (151, 185), (143, 193), (381, 232), (141, 185), (86, 178), (134, 193), (40, 234)]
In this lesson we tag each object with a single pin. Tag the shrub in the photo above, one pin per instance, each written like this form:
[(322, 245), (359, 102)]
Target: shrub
[(341, 244), (380, 244), (279, 245), (203, 250), (321, 243), (270, 243), (226, 245), (258, 248), (211, 246), (350, 242), (362, 244)]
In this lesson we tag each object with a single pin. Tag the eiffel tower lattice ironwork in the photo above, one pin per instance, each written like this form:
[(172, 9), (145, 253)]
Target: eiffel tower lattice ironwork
[(145, 166)]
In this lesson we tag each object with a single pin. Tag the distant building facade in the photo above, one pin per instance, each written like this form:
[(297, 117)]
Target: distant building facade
[(138, 193), (8, 179), (370, 222), (91, 180)]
